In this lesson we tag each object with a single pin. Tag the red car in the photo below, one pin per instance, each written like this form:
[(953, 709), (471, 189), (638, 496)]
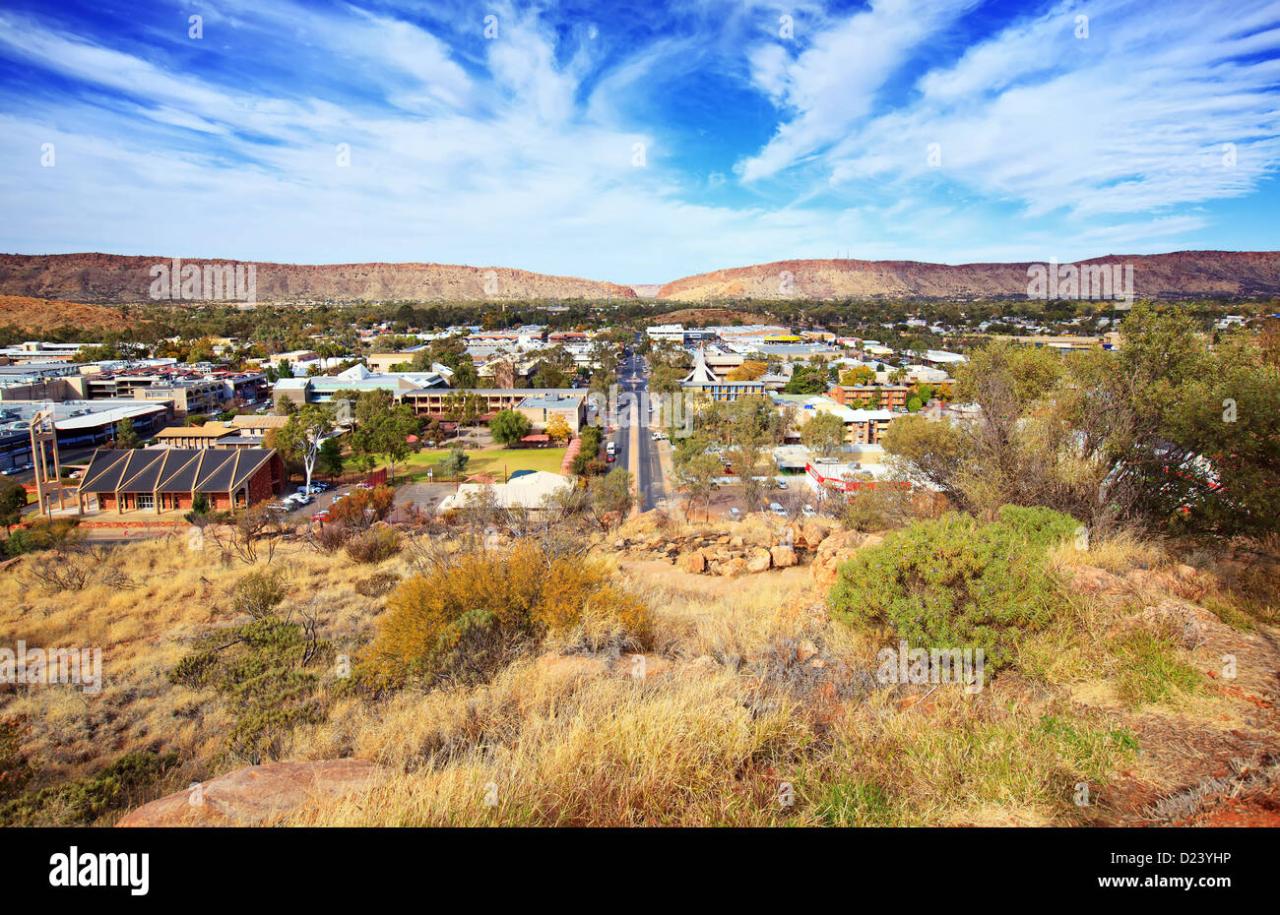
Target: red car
[(609, 458), (322, 515)]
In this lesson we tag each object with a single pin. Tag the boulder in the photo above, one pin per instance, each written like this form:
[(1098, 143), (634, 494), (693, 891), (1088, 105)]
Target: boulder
[(814, 531), (695, 562), (783, 557), (834, 552), (256, 795), (759, 560), (732, 567)]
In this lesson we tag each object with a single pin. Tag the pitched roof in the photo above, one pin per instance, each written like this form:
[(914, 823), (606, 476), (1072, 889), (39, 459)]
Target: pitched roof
[(172, 469)]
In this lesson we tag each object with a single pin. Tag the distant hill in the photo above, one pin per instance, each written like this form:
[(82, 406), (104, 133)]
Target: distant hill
[(107, 278), (1175, 275), (38, 316)]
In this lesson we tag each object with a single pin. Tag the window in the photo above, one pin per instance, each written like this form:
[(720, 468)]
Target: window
[(146, 500)]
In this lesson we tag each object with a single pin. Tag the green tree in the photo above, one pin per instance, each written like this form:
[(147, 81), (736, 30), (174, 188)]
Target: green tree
[(509, 426), (611, 495), (331, 460), (13, 499), (824, 433), (383, 427), (697, 477), (125, 435)]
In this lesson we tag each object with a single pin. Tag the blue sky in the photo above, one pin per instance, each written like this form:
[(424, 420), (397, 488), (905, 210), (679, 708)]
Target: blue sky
[(639, 142)]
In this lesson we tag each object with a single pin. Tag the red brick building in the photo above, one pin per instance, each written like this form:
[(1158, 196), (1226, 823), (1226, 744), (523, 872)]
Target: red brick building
[(169, 479)]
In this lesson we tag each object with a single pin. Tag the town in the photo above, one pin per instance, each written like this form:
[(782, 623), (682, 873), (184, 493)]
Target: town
[(533, 438)]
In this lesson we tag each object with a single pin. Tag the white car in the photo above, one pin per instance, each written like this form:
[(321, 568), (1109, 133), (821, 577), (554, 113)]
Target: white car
[(734, 513), (777, 509), (808, 511)]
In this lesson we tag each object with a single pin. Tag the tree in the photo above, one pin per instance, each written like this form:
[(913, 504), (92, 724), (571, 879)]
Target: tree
[(330, 460), (697, 479), (824, 433), (383, 427), (611, 495), (807, 379), (558, 429), (859, 374), (125, 435), (454, 463), (300, 439), (509, 426), (13, 499), (749, 370)]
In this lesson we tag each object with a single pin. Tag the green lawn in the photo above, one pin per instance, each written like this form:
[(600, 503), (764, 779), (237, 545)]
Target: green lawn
[(493, 461)]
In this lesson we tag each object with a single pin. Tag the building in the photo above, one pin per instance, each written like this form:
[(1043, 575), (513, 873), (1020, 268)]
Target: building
[(77, 424), (703, 381), (884, 396), (321, 388), (529, 491), (159, 480), (435, 403), (861, 427), (194, 437), (542, 408)]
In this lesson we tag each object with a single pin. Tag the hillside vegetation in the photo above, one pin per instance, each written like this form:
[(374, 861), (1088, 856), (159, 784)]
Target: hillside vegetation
[(522, 684)]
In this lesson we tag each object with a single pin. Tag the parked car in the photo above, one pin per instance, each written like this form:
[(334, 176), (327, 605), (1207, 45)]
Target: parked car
[(322, 515), (734, 513), (777, 509), (808, 511), (781, 484), (610, 458)]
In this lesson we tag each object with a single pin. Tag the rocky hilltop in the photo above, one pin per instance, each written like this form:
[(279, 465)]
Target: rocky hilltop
[(1174, 275), (108, 278)]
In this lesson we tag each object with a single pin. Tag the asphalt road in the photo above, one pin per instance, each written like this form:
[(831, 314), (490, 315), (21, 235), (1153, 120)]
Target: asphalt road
[(639, 453)]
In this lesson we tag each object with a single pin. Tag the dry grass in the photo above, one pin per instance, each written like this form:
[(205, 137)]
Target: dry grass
[(748, 689)]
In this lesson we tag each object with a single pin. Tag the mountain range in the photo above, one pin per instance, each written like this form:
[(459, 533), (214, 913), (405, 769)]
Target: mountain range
[(116, 279)]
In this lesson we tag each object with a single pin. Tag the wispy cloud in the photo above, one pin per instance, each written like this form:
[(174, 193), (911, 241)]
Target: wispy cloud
[(553, 141)]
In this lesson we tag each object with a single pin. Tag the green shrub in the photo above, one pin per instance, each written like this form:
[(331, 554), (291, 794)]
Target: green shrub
[(85, 800), (859, 803), (266, 671), (956, 582)]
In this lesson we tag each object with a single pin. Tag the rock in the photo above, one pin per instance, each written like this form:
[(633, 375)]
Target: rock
[(1186, 622), (783, 557), (805, 650), (814, 532), (736, 543), (256, 795), (834, 552), (759, 561), (732, 567), (695, 562)]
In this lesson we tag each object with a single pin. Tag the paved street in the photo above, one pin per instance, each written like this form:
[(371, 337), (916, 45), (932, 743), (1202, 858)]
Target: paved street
[(637, 452)]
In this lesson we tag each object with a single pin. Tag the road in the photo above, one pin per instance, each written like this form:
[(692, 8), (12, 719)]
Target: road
[(637, 451)]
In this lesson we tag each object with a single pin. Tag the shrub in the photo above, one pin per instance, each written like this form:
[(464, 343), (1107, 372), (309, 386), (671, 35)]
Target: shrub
[(374, 545), (956, 582), (462, 619), (363, 507), (258, 593), (85, 800), (329, 538), (379, 584), (263, 671)]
